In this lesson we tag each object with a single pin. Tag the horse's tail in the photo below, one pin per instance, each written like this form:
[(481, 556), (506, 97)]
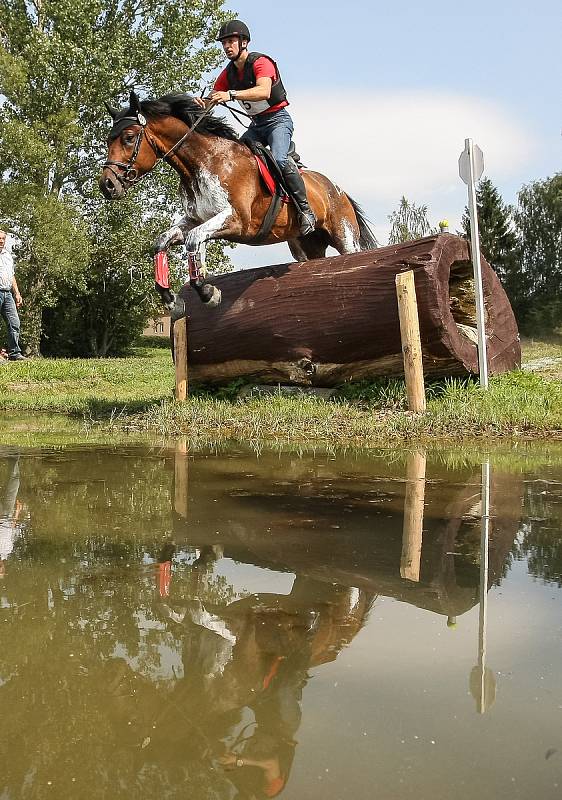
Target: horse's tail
[(367, 238)]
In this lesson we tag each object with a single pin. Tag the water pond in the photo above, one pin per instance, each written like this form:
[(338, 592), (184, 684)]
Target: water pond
[(229, 624)]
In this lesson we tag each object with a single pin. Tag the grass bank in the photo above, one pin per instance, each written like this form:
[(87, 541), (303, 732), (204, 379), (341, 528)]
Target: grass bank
[(135, 395)]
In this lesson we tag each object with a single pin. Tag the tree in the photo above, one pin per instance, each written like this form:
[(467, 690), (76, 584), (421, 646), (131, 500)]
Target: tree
[(498, 237), (59, 60), (539, 220), (409, 222), (105, 315), (107, 311)]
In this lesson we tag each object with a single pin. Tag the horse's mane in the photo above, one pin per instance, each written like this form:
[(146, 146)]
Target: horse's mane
[(184, 107)]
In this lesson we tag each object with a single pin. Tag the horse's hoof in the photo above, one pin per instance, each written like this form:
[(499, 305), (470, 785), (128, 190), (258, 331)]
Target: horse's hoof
[(177, 311), (215, 298)]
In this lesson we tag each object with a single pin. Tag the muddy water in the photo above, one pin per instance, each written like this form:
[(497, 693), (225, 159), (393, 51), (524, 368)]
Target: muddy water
[(231, 625)]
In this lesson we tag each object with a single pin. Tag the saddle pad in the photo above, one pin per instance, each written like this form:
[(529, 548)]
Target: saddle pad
[(268, 178)]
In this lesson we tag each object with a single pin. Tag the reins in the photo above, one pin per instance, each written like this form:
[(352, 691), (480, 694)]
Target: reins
[(236, 113)]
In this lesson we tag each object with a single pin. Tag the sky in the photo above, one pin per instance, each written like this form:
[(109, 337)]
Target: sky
[(383, 98)]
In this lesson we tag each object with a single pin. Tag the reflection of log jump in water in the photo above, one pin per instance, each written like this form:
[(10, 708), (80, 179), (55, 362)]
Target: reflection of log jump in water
[(356, 535)]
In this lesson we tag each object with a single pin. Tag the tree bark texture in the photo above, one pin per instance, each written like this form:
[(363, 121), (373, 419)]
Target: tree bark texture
[(331, 320)]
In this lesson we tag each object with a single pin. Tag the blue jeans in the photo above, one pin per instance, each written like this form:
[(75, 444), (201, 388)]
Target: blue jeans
[(274, 129), (10, 313)]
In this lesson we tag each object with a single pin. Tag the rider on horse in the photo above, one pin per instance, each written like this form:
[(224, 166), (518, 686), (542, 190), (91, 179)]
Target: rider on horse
[(253, 80)]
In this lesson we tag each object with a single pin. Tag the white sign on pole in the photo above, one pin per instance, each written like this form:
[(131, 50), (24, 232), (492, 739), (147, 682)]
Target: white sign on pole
[(464, 163), (471, 167)]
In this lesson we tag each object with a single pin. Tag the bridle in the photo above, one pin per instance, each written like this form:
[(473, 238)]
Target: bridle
[(128, 174)]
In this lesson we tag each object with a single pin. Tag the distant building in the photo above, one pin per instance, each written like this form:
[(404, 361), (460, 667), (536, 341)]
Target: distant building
[(158, 327)]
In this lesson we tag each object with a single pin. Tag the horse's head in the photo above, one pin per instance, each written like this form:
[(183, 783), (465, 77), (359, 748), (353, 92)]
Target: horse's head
[(131, 154)]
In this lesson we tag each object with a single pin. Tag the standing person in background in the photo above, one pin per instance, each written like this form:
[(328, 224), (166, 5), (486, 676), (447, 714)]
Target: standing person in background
[(254, 81), (10, 297)]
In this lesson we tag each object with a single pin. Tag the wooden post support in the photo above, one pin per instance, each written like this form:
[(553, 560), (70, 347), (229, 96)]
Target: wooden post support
[(180, 358), (411, 343), (412, 532), (181, 477)]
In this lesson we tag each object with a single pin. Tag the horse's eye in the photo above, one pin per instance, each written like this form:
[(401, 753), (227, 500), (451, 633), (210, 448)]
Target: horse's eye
[(128, 139)]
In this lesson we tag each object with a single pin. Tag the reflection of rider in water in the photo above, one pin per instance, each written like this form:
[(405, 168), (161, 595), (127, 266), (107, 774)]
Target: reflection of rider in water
[(246, 663), (10, 509), (263, 759)]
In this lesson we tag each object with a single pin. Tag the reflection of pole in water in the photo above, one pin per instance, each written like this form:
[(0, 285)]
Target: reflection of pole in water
[(413, 517), (482, 679), (181, 477)]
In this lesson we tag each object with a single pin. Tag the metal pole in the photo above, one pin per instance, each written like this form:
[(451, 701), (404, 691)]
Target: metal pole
[(478, 291)]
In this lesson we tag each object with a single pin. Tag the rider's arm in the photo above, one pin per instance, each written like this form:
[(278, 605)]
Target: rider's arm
[(261, 91)]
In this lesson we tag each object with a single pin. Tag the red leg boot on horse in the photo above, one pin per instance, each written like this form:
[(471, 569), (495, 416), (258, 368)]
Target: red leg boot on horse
[(209, 294), (172, 302)]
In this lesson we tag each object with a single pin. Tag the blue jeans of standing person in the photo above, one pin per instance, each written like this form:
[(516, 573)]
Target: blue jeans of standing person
[(275, 130), (10, 313)]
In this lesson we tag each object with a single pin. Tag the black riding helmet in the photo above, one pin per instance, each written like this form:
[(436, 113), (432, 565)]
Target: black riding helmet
[(234, 27)]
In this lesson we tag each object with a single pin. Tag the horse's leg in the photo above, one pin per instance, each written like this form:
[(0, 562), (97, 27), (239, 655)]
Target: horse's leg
[(345, 235), (178, 234), (296, 250), (208, 294), (195, 242), (305, 248), (174, 235)]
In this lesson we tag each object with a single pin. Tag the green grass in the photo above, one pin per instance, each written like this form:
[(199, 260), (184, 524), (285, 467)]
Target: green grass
[(517, 404), (135, 395), (91, 387)]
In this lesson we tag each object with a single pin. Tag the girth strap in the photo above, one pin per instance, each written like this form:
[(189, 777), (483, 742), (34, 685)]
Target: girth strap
[(269, 218)]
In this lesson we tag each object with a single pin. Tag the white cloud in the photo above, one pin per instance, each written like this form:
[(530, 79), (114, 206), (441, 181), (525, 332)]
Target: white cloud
[(380, 145), (404, 142)]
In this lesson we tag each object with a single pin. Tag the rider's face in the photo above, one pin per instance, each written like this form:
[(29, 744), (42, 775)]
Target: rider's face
[(231, 46)]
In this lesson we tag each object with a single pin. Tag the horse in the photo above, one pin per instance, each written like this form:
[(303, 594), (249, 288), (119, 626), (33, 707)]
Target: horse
[(222, 193)]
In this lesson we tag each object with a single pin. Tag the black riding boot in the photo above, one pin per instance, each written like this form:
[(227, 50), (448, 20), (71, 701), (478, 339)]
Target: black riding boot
[(295, 187)]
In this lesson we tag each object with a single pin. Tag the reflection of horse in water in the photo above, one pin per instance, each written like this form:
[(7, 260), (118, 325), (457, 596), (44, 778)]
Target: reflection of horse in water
[(222, 193), (245, 665)]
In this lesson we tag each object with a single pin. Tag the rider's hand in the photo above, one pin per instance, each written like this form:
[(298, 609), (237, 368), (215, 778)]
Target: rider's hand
[(200, 101), (228, 761), (220, 97)]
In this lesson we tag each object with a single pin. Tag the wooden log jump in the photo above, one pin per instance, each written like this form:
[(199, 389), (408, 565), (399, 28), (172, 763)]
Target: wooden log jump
[(331, 320)]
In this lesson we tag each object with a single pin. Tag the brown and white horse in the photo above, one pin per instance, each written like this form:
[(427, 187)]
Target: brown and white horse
[(221, 190)]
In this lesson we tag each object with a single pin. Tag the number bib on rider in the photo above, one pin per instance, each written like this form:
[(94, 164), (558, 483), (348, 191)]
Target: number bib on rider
[(253, 107)]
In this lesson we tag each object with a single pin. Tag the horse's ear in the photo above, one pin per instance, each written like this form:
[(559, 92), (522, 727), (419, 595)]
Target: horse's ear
[(112, 111), (134, 102)]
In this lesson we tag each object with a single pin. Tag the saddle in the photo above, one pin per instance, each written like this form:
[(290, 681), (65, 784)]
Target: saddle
[(269, 168)]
